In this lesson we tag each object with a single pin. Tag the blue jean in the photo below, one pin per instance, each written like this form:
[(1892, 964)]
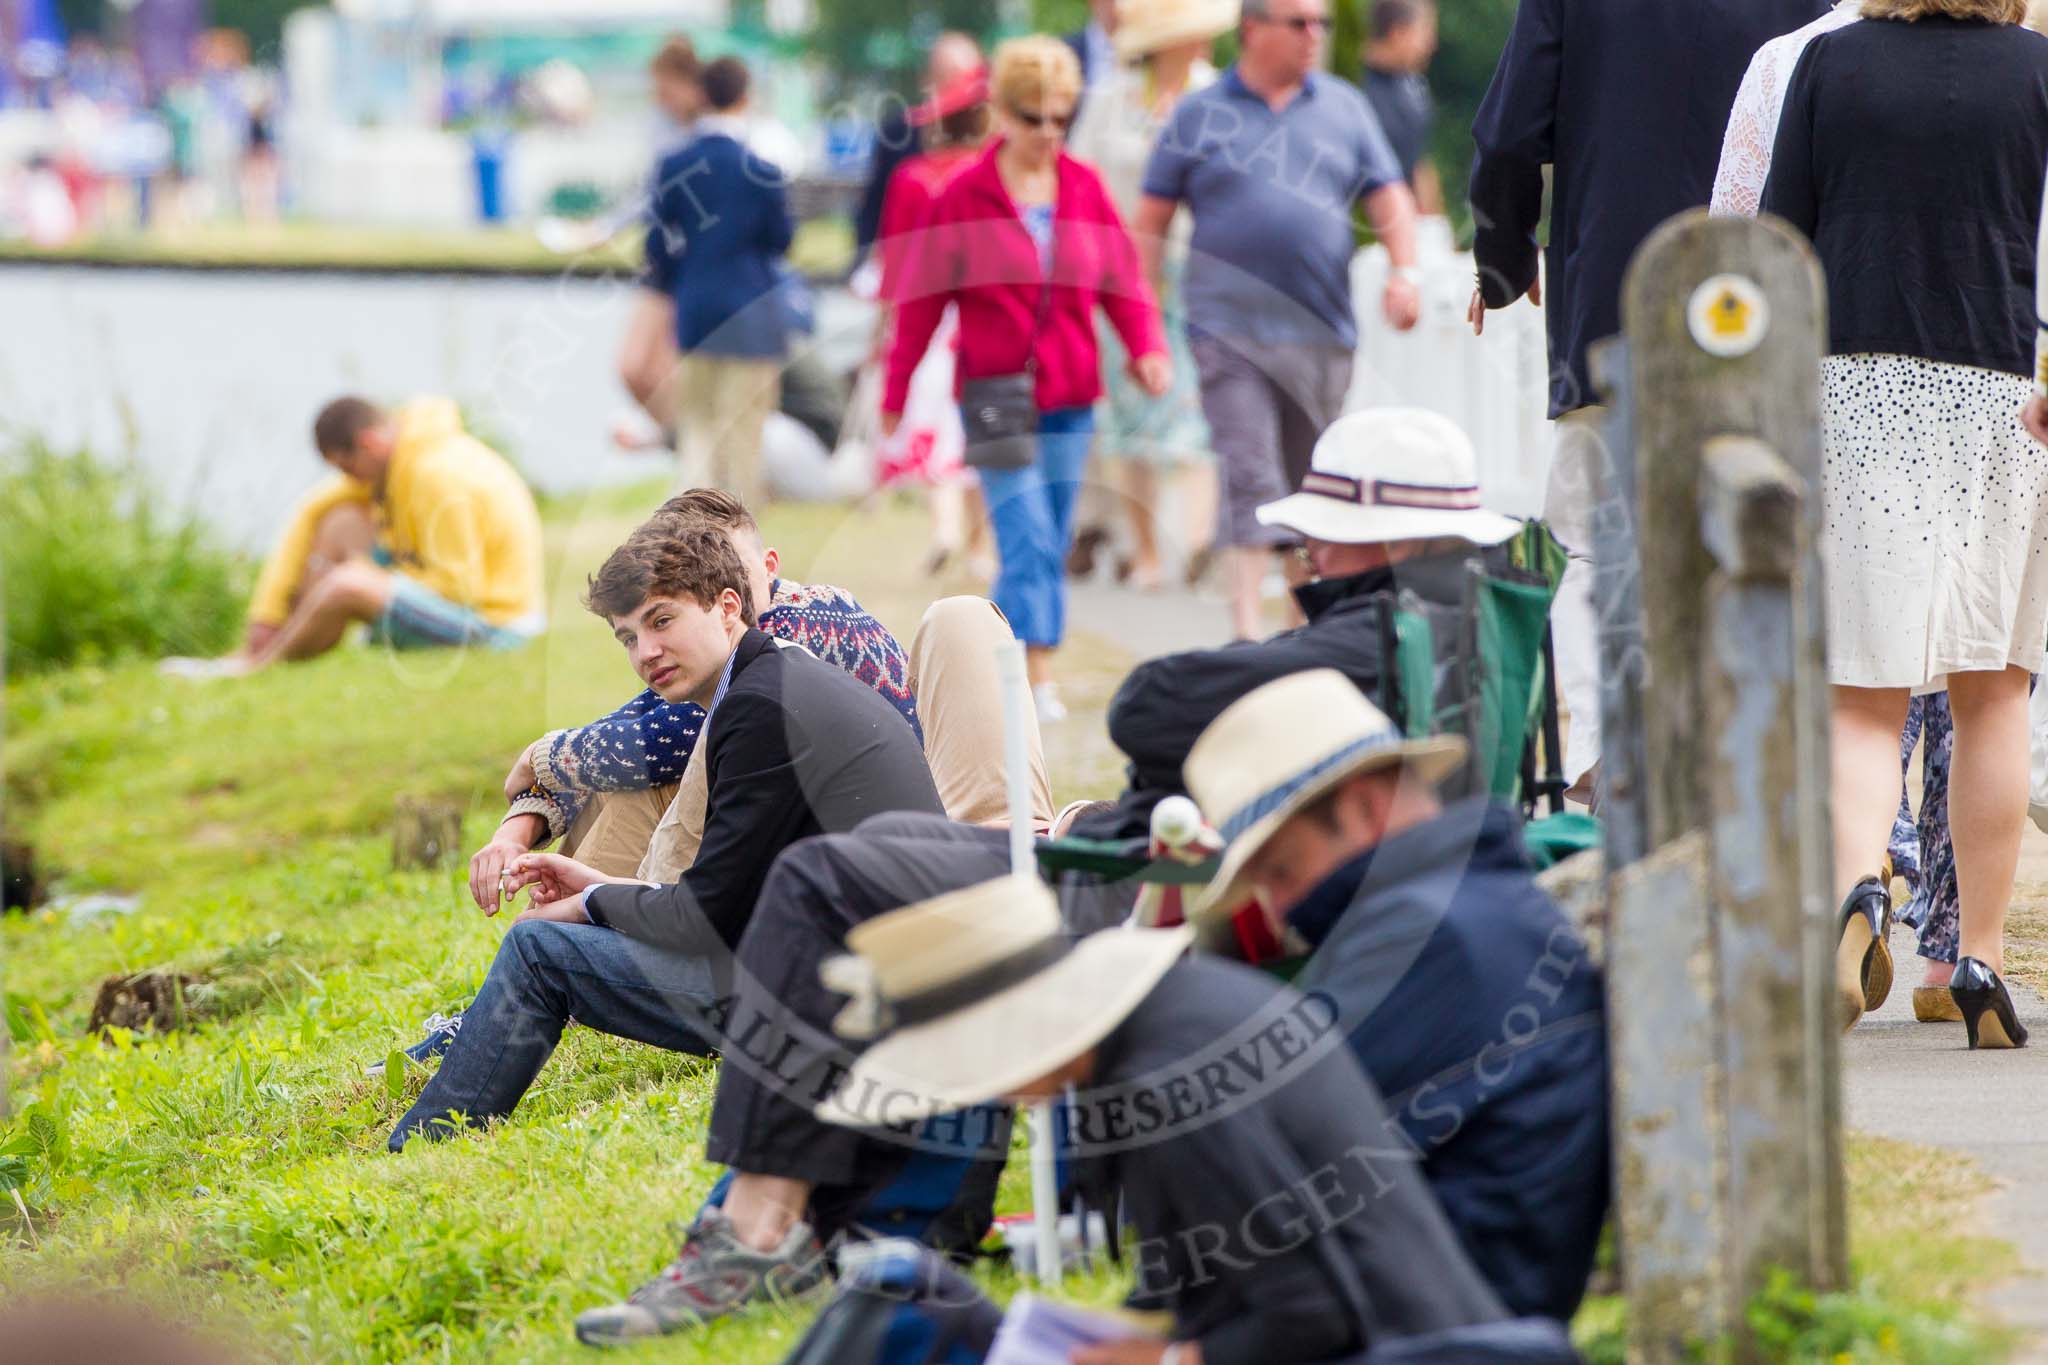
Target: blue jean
[(545, 975), (1032, 510)]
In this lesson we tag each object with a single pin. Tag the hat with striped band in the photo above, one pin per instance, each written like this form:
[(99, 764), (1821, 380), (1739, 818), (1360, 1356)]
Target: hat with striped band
[(1274, 751), (1389, 474)]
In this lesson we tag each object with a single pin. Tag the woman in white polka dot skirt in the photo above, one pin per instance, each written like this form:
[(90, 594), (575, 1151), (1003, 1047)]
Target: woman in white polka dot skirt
[(1913, 150)]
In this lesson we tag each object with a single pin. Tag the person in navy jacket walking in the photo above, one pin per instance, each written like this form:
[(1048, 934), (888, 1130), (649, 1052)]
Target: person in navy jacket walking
[(720, 228)]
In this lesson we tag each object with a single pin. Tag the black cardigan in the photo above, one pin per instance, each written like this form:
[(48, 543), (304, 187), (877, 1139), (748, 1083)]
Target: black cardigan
[(1913, 155), (796, 747)]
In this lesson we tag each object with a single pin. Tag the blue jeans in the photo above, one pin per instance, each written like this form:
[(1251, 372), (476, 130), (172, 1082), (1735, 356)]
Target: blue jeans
[(1032, 510), (545, 975)]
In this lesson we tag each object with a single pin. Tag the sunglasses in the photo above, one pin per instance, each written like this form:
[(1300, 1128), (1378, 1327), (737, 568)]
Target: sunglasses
[(1300, 23), (1034, 120)]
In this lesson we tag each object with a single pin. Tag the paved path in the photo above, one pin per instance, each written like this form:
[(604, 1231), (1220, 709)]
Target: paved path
[(1920, 1083)]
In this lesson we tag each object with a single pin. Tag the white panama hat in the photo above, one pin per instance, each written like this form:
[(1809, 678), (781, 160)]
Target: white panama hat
[(1279, 747), (1390, 474), (977, 993)]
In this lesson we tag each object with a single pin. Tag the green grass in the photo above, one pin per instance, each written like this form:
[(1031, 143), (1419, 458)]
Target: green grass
[(234, 1172), (823, 247), (93, 566)]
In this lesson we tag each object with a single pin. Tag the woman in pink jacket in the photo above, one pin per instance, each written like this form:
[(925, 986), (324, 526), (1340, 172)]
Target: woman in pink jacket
[(1026, 243)]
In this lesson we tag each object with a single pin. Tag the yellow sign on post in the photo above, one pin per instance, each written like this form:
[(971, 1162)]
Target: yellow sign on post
[(1728, 316)]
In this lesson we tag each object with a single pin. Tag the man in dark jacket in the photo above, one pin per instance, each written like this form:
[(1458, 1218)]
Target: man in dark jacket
[(1276, 1220), (1391, 504), (1466, 995), (793, 746), (1629, 116)]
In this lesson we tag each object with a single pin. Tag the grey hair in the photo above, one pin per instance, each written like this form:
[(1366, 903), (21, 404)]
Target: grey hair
[(1255, 9)]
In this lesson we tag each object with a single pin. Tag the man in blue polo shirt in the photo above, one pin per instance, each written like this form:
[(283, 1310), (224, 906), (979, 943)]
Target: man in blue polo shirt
[(1270, 160)]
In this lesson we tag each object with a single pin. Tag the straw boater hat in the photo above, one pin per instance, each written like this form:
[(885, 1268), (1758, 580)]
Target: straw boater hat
[(1279, 747), (976, 993), (1144, 27), (1390, 474)]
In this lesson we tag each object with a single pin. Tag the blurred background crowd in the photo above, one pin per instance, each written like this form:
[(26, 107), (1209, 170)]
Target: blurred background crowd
[(118, 115)]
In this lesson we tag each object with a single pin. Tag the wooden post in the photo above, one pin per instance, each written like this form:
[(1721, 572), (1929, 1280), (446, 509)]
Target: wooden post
[(426, 834), (1727, 1084)]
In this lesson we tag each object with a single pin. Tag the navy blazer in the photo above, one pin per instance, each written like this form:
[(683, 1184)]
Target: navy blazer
[(1627, 101), (1477, 1009), (720, 227)]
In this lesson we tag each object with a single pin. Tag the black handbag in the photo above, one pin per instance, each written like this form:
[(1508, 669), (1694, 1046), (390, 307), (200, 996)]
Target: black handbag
[(1000, 412)]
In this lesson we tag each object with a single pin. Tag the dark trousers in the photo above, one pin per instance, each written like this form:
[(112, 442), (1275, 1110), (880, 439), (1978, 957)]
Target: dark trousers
[(781, 1056), (546, 974)]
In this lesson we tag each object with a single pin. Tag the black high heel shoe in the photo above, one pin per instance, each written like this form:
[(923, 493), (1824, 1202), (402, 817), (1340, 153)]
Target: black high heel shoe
[(1863, 956), (1987, 1009)]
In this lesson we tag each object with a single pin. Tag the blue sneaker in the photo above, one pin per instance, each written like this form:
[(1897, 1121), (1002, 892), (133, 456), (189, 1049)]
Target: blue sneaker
[(441, 1030)]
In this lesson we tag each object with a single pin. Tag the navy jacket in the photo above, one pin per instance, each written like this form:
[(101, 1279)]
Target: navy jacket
[(1164, 705), (1475, 1007), (721, 225), (1627, 100)]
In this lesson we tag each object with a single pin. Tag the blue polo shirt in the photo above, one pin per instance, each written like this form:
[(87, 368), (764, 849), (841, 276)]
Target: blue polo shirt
[(1272, 197)]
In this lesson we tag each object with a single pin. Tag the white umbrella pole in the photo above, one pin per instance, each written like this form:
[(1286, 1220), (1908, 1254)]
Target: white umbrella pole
[(1045, 1190)]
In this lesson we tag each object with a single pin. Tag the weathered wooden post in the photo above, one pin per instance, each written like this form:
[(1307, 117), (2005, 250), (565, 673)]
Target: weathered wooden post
[(426, 834), (1726, 1058)]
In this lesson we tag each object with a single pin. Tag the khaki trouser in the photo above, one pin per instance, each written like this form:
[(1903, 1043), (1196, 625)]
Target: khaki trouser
[(654, 835), (724, 404), (960, 700)]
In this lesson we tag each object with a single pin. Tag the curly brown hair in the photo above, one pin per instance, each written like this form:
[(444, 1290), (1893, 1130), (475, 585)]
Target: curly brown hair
[(697, 563), (1990, 11)]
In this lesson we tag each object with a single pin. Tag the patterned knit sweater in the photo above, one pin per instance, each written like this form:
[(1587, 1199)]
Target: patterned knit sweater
[(647, 742)]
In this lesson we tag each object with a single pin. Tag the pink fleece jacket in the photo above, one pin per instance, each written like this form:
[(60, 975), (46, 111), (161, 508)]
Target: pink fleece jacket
[(972, 249)]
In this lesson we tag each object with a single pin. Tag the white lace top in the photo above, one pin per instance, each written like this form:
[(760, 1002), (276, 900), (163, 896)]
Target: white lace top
[(1753, 122)]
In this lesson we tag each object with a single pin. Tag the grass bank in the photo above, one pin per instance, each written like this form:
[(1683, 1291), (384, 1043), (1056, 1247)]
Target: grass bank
[(234, 1171)]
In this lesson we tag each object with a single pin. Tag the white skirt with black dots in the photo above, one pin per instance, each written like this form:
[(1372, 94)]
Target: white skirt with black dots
[(1935, 537)]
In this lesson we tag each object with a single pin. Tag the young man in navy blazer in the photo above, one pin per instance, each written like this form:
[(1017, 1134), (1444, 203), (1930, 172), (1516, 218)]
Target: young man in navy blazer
[(720, 228)]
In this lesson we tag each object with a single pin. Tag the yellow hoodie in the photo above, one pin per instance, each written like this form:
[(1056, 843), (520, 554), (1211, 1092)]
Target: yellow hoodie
[(454, 516)]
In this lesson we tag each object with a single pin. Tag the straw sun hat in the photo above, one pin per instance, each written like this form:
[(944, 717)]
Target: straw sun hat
[(1390, 474), (1144, 27), (1279, 747), (977, 993)]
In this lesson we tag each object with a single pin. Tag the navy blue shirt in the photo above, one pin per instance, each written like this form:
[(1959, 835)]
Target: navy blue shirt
[(1272, 196), (721, 226)]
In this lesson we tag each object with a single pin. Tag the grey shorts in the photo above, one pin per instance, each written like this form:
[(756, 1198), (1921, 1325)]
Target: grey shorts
[(1266, 404)]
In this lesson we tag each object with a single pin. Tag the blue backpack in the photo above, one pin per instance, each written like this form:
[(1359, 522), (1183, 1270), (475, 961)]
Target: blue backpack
[(899, 1303)]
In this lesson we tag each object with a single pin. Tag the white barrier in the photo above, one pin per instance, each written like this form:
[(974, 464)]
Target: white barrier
[(1495, 386)]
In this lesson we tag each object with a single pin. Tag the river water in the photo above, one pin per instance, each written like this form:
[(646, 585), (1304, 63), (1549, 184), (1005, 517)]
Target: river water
[(211, 379)]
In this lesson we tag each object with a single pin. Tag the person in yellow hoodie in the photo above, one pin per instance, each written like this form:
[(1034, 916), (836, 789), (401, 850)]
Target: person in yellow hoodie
[(427, 534)]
